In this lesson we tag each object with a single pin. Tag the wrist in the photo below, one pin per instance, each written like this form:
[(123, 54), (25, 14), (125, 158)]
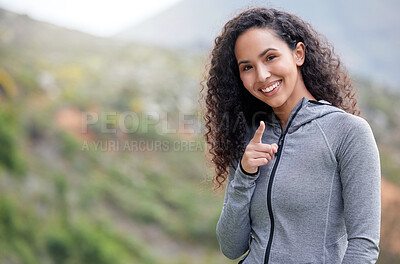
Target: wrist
[(247, 171)]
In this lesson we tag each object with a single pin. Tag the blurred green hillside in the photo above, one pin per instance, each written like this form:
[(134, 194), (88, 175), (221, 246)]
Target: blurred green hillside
[(101, 154)]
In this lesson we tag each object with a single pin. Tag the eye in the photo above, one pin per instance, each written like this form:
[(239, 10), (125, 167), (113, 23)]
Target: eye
[(246, 68), (270, 57)]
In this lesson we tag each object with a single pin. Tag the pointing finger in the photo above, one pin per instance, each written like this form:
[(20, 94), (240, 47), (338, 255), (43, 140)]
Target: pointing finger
[(259, 132)]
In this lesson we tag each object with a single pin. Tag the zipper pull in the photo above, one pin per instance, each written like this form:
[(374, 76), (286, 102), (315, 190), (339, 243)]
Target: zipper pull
[(280, 142)]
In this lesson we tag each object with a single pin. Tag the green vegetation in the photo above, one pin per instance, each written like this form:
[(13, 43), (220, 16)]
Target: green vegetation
[(381, 108), (106, 191)]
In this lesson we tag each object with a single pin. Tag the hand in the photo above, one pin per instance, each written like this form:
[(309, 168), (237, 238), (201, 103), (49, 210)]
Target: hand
[(256, 153)]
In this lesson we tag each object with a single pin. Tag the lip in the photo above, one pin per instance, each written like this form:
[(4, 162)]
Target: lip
[(274, 91)]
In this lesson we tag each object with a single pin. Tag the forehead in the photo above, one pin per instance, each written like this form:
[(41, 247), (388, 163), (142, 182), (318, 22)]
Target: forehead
[(255, 40)]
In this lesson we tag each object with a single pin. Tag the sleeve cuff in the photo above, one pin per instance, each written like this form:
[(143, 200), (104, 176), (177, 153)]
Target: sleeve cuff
[(245, 172)]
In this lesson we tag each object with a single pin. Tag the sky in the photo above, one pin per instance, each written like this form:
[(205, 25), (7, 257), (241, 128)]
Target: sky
[(106, 17)]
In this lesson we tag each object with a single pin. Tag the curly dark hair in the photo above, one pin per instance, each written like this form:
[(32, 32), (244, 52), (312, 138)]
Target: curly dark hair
[(231, 109)]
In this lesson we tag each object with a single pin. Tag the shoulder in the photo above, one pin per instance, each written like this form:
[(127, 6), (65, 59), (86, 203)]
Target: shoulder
[(351, 124), (346, 123), (355, 134), (346, 132)]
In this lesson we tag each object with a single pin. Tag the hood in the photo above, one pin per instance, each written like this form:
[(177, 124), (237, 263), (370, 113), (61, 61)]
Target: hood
[(305, 111)]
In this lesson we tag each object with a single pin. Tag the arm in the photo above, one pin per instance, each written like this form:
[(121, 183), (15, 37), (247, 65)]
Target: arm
[(233, 227), (361, 178)]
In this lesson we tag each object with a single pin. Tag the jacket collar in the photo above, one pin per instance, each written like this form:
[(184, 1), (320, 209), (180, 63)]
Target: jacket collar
[(304, 112)]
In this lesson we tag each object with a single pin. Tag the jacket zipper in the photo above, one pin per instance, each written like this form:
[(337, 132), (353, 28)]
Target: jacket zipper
[(269, 190)]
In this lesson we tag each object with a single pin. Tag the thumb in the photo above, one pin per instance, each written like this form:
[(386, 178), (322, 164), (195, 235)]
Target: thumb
[(274, 147), (259, 132)]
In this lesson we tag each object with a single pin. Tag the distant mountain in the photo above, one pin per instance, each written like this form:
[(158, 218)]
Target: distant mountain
[(365, 33), (188, 24), (24, 32)]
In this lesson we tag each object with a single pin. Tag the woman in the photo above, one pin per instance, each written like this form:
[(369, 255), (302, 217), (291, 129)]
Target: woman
[(302, 168)]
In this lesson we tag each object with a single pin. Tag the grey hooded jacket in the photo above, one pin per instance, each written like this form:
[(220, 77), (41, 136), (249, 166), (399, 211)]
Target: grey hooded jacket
[(317, 201)]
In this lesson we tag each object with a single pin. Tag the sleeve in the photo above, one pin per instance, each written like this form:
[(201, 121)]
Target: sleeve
[(361, 182), (233, 227)]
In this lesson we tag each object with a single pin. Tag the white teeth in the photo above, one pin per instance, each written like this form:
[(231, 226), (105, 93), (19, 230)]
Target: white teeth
[(270, 88)]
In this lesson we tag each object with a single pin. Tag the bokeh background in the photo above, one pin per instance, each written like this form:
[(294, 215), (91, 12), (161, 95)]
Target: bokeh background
[(102, 158)]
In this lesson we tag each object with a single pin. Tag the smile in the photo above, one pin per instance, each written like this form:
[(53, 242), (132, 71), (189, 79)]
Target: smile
[(271, 86)]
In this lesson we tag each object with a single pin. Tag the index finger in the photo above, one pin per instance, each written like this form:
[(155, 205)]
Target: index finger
[(259, 132)]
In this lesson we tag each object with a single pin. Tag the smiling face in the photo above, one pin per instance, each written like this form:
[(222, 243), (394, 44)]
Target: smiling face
[(270, 70)]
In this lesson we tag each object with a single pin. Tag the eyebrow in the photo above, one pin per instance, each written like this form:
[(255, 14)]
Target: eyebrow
[(260, 55)]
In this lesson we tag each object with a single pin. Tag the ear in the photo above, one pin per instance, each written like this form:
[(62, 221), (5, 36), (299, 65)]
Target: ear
[(299, 53)]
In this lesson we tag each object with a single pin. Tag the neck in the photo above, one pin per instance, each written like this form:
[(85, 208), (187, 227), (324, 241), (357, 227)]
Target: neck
[(283, 112)]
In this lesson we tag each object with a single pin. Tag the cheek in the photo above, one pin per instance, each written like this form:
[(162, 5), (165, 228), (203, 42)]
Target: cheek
[(247, 81), (286, 67)]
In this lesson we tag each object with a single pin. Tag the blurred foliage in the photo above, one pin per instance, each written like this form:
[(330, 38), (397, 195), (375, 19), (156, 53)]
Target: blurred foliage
[(381, 108), (10, 157), (116, 188)]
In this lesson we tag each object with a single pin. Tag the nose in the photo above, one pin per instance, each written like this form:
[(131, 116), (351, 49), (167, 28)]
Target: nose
[(263, 73)]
